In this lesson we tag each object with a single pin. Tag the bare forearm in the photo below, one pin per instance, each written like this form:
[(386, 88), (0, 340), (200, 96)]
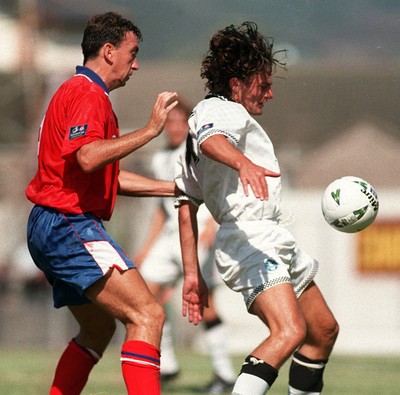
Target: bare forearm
[(219, 149), (99, 153), (188, 234), (132, 184)]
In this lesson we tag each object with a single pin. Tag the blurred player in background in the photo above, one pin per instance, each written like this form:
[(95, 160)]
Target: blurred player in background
[(160, 260), (74, 190), (226, 165)]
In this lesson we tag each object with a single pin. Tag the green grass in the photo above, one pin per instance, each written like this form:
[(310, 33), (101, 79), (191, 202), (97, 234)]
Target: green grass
[(29, 372)]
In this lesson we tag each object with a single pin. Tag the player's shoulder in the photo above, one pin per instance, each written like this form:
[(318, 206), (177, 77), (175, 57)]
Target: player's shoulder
[(215, 104), (81, 88)]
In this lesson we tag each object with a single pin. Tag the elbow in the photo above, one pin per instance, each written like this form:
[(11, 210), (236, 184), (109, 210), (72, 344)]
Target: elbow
[(85, 163), (87, 167)]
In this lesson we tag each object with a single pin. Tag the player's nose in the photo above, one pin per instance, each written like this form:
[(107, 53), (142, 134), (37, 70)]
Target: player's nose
[(135, 64)]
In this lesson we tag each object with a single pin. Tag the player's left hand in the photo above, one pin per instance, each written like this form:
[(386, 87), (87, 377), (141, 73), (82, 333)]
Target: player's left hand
[(194, 299)]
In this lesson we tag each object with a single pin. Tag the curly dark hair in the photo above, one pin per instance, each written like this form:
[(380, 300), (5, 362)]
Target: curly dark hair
[(105, 28), (237, 51)]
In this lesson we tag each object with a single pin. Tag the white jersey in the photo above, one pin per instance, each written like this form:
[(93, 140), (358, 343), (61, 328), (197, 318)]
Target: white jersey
[(163, 168), (253, 251), (221, 189)]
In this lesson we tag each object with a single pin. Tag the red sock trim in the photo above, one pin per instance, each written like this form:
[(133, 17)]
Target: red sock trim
[(136, 351), (141, 368)]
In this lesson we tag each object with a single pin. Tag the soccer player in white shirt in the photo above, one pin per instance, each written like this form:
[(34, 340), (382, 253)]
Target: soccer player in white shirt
[(230, 165), (160, 261)]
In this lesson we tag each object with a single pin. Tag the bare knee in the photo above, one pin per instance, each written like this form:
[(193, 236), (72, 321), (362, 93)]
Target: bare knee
[(290, 336), (320, 340), (329, 333), (295, 334), (146, 323)]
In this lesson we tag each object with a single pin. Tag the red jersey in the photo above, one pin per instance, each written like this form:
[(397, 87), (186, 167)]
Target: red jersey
[(80, 112)]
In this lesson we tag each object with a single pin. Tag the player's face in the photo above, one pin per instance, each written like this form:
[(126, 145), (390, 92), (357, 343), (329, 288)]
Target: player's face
[(255, 93), (176, 127), (125, 59)]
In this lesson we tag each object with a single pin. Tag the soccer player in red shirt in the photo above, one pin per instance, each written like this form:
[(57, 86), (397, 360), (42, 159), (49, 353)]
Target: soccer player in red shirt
[(74, 190)]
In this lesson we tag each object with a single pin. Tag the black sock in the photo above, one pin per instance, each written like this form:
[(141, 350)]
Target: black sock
[(211, 324), (257, 367), (306, 374)]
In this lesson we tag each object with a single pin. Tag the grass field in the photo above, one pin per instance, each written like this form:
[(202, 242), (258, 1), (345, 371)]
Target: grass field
[(29, 372)]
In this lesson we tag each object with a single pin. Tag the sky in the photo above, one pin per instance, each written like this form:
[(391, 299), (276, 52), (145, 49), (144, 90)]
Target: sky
[(340, 30), (316, 29)]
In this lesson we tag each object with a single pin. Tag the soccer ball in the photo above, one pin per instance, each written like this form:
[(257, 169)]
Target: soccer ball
[(349, 204)]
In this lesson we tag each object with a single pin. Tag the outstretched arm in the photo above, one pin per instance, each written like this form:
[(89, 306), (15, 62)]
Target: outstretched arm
[(195, 292), (99, 153), (133, 184), (219, 149)]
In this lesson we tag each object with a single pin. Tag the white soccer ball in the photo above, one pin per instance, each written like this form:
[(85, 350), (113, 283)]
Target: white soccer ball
[(350, 204)]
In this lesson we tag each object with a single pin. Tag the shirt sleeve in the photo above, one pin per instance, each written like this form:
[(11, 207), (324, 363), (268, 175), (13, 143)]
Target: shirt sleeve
[(216, 116), (85, 122), (187, 181)]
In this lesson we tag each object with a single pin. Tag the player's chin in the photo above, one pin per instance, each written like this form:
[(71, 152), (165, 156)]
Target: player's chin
[(258, 110), (125, 80)]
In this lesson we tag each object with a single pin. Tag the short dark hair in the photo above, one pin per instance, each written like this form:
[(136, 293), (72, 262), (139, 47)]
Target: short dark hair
[(236, 51), (105, 28)]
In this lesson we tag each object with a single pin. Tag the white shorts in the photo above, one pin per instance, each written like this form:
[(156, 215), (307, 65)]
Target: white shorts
[(256, 255), (163, 264)]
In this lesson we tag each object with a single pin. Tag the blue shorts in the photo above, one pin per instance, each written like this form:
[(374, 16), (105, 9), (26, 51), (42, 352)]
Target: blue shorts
[(73, 251)]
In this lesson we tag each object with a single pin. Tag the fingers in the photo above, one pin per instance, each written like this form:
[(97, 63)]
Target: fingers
[(168, 100), (269, 173), (193, 303), (193, 311), (255, 178), (258, 185), (165, 102)]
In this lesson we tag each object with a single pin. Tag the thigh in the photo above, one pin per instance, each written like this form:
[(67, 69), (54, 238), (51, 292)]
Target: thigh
[(125, 296), (278, 308), (120, 292)]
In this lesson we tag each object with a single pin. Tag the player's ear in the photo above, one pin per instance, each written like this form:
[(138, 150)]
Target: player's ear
[(107, 52), (234, 84)]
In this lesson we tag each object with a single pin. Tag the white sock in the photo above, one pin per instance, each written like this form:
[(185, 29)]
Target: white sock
[(248, 384), (294, 391), (168, 362), (218, 350)]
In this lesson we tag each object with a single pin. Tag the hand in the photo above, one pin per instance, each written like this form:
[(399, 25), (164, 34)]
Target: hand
[(219, 149), (165, 102), (255, 176), (194, 299)]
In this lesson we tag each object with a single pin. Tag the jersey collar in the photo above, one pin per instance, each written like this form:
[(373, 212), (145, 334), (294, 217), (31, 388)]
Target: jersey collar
[(89, 73), (210, 95)]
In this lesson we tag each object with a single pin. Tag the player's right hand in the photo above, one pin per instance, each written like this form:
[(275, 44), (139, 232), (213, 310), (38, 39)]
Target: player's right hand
[(165, 102), (254, 176)]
